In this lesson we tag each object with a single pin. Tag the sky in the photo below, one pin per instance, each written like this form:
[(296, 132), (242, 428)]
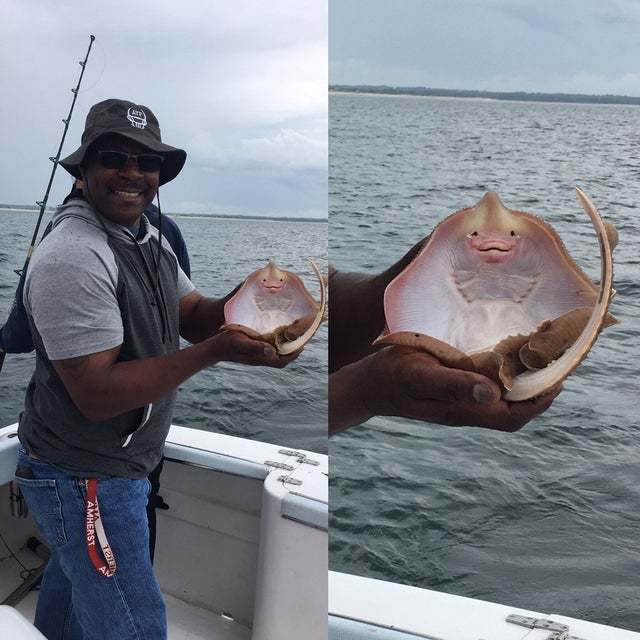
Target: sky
[(241, 86), (570, 46)]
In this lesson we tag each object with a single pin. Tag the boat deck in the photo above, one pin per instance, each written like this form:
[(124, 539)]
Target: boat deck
[(186, 622)]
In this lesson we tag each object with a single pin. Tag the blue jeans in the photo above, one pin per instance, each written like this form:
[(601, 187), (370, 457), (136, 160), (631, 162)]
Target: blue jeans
[(76, 602)]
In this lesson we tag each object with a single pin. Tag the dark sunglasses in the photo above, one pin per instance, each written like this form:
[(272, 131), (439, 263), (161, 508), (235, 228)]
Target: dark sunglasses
[(147, 162)]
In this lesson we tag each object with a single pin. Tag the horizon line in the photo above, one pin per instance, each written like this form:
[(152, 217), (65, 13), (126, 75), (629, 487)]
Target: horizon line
[(249, 216)]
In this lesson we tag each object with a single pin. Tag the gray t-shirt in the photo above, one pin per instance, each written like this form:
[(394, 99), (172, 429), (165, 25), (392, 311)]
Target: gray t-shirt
[(70, 289), (91, 286)]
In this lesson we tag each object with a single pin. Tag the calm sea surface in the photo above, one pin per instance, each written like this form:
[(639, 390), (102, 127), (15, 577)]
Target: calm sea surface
[(285, 406), (548, 518)]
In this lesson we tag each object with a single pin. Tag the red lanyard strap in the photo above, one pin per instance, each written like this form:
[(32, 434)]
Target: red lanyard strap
[(95, 530)]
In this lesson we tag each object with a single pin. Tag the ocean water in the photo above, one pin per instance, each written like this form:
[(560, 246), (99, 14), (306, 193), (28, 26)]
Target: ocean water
[(285, 406), (548, 518)]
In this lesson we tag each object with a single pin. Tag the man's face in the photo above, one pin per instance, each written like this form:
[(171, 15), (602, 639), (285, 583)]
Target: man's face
[(121, 195)]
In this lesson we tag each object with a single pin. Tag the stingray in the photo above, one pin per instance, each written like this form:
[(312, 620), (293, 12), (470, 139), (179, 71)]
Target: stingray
[(495, 291), (274, 305)]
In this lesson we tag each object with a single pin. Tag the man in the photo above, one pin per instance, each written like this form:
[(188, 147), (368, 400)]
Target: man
[(15, 335), (106, 302), (399, 381)]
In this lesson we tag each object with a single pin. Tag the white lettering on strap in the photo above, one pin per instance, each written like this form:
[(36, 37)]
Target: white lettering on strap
[(95, 529)]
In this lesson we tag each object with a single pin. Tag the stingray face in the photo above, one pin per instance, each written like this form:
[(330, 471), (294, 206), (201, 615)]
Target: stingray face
[(493, 246), (491, 234), (494, 235), (271, 279)]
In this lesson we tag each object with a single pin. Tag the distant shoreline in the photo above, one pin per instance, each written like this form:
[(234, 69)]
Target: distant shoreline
[(30, 209), (518, 96)]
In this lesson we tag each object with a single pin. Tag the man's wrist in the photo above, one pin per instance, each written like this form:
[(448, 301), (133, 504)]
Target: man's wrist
[(213, 350), (371, 387), (349, 403)]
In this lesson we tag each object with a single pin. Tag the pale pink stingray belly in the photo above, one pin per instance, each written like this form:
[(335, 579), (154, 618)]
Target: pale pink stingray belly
[(274, 304), (264, 311), (490, 278), (462, 313)]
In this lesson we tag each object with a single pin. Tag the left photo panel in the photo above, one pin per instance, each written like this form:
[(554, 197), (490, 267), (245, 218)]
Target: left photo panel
[(163, 335)]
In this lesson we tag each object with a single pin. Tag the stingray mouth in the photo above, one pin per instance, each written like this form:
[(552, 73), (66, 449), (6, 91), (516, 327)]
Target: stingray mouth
[(494, 250), (495, 255), (272, 286)]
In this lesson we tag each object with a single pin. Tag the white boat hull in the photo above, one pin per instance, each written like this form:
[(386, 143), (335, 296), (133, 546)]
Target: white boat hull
[(242, 552), (362, 608)]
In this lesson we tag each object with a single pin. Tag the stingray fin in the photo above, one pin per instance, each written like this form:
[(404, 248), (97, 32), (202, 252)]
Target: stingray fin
[(448, 355), (535, 383), (502, 363), (488, 363), (553, 337), (298, 327), (286, 348), (612, 234), (248, 331)]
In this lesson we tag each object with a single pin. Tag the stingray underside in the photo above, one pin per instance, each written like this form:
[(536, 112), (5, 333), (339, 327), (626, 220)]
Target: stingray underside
[(537, 313), (287, 319)]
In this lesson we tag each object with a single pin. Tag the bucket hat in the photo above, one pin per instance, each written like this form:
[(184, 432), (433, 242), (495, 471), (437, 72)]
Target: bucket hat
[(134, 121)]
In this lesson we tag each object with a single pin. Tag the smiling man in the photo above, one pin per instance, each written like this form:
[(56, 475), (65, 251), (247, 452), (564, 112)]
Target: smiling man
[(107, 303)]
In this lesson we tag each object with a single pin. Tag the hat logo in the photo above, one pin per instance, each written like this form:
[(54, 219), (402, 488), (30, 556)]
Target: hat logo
[(137, 117)]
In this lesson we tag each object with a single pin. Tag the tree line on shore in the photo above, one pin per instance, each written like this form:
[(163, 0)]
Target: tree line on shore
[(493, 95)]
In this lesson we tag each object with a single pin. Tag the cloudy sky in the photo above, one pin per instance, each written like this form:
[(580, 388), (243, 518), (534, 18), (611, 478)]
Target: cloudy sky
[(573, 46), (240, 85)]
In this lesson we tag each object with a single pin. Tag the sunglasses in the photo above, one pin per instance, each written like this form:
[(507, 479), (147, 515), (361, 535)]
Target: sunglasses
[(147, 162)]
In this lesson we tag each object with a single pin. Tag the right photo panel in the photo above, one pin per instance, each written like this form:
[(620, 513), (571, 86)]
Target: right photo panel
[(484, 181)]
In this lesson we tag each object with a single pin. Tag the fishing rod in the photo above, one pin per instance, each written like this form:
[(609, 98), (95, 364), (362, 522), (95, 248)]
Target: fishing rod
[(43, 203), (55, 159)]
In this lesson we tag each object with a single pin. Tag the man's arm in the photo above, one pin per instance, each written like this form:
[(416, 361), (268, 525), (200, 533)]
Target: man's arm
[(102, 388)]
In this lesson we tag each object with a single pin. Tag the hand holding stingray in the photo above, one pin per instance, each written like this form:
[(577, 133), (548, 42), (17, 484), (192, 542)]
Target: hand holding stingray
[(274, 305), (495, 291)]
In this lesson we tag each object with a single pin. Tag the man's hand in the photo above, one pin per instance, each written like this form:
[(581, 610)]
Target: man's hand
[(407, 383), (234, 346)]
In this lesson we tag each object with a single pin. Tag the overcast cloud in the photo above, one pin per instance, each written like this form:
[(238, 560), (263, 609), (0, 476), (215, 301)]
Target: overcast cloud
[(573, 46), (240, 85)]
